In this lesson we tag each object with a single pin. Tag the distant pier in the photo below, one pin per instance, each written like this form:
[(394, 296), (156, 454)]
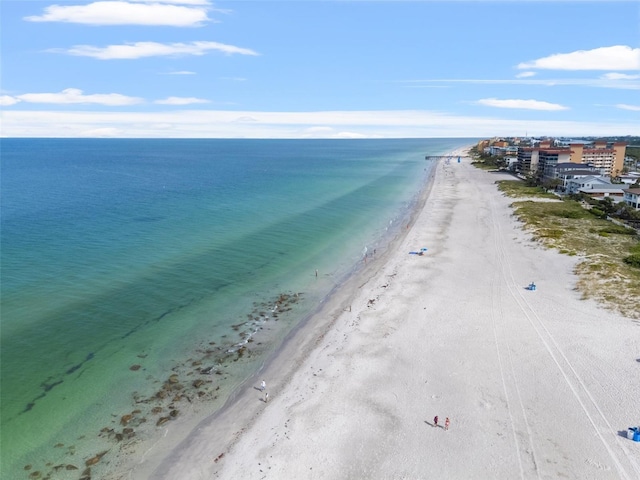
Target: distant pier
[(446, 158)]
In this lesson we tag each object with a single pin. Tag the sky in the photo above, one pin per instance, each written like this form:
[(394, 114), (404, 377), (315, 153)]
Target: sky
[(319, 68)]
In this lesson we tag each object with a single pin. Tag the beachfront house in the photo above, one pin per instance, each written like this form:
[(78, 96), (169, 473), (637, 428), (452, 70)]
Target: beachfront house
[(586, 183), (566, 172), (630, 178), (511, 162), (613, 191), (632, 198), (597, 187)]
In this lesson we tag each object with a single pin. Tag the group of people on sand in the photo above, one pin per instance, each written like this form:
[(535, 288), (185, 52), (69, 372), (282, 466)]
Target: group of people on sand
[(263, 386), (446, 422)]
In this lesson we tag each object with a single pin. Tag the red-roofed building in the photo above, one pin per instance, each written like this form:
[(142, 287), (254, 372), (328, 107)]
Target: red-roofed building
[(608, 158), (601, 155)]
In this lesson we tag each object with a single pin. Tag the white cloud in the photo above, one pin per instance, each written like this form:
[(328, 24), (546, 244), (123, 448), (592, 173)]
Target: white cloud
[(153, 49), (125, 13), (319, 130), (618, 57), (521, 104), (635, 108), (180, 101), (329, 132), (107, 132), (7, 100), (181, 72), (354, 135), (225, 124), (526, 74), (164, 126), (619, 76), (75, 96), (244, 119), (180, 2), (623, 84)]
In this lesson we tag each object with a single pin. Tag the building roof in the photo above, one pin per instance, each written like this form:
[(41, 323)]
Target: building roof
[(604, 189), (586, 173), (592, 179)]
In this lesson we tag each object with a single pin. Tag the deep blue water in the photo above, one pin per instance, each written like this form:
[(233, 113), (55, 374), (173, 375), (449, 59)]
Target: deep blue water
[(117, 253)]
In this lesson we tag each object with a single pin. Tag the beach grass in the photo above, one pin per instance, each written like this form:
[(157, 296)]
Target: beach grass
[(604, 271), (483, 165), (518, 188)]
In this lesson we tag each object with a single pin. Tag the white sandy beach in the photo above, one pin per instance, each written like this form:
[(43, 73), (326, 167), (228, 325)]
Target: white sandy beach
[(537, 384)]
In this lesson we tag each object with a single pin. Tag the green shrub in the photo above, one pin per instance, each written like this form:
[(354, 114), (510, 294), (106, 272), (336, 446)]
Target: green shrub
[(597, 212), (633, 260), (551, 233), (617, 230), (569, 213)]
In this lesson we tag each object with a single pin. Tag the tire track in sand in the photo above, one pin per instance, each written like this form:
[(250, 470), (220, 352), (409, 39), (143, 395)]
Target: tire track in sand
[(564, 366), (524, 447)]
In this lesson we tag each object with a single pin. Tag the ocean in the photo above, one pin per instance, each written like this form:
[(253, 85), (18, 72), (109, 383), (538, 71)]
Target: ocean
[(143, 280)]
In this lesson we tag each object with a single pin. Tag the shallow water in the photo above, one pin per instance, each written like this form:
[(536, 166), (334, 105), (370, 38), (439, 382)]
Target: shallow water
[(125, 262)]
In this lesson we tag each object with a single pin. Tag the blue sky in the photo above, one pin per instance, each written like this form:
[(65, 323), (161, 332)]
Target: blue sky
[(319, 69)]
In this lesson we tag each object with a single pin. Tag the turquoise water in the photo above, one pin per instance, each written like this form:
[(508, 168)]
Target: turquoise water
[(125, 262)]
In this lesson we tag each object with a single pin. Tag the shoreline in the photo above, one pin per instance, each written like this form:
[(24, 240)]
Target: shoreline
[(307, 331), (537, 384)]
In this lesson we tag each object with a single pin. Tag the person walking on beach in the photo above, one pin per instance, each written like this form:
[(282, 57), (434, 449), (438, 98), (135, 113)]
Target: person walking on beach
[(446, 424), (266, 397), (435, 421), (263, 385)]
